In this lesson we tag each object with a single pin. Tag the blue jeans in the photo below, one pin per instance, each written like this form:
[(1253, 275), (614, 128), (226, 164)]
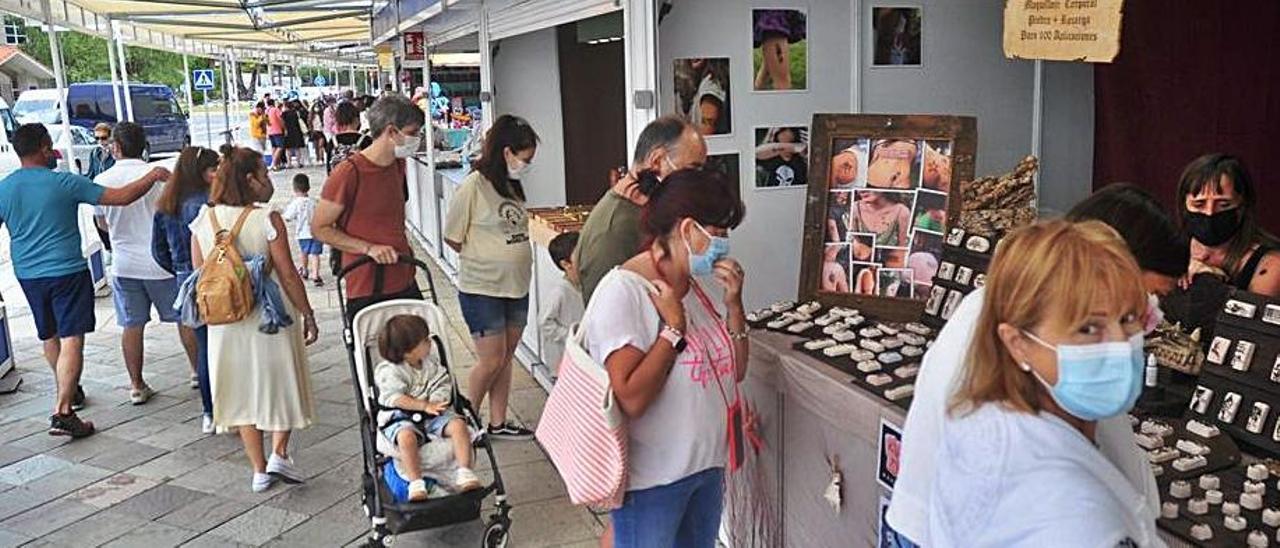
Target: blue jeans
[(684, 514)]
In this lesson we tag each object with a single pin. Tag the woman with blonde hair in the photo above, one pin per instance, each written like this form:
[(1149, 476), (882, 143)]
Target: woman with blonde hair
[(1058, 347)]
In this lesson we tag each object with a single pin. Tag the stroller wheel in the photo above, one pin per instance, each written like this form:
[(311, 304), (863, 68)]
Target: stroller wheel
[(380, 541), (496, 536)]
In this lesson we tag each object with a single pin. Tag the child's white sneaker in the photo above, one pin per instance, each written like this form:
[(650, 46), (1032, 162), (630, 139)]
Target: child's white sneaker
[(466, 480), (417, 490), (206, 424), (262, 482)]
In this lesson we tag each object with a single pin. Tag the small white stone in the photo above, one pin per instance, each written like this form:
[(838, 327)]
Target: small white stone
[(1258, 472), (1258, 539), (1169, 510), (1235, 523), (1230, 509), (1214, 496), (1209, 481), (1180, 489), (1271, 517), (1251, 501), (1255, 487), (1198, 507), (1201, 532)]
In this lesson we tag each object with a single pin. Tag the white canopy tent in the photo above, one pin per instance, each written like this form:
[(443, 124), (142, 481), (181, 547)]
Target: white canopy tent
[(329, 33)]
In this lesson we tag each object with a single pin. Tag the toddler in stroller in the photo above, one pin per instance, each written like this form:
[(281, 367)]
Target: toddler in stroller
[(417, 393)]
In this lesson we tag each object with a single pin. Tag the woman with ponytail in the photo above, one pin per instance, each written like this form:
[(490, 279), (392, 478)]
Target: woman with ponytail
[(182, 199), (487, 225)]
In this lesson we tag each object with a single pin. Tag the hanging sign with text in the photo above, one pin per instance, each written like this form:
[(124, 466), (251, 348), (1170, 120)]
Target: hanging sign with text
[(1063, 30)]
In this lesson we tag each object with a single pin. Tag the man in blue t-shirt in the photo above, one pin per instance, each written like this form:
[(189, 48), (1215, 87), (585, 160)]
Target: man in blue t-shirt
[(40, 207)]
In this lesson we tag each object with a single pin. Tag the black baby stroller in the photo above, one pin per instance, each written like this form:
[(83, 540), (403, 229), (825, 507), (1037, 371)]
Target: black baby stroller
[(387, 516)]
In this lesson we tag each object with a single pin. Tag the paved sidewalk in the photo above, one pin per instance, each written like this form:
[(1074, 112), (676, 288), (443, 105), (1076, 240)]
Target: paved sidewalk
[(149, 478)]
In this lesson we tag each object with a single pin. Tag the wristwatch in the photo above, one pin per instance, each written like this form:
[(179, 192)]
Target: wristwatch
[(673, 336)]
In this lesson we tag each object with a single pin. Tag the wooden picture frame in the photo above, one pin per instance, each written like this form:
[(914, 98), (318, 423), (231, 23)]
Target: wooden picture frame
[(860, 181)]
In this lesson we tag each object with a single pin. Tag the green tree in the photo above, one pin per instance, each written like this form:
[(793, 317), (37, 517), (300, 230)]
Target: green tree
[(85, 59)]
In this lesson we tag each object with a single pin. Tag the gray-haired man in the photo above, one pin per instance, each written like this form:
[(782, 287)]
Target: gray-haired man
[(361, 209), (612, 232)]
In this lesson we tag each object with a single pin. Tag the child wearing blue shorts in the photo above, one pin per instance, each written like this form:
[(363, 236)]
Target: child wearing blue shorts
[(413, 385), (299, 212)]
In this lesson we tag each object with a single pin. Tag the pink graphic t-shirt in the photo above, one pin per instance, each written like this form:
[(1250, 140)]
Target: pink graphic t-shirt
[(683, 431)]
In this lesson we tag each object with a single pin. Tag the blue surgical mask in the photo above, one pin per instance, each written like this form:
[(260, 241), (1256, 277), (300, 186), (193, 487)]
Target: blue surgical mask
[(1095, 381), (703, 264)]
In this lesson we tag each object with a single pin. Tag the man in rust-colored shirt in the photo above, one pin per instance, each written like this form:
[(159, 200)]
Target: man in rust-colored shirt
[(361, 209)]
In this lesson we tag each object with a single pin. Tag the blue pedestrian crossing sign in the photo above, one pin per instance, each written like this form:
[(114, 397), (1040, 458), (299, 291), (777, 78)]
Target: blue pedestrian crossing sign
[(320, 80), (203, 79)]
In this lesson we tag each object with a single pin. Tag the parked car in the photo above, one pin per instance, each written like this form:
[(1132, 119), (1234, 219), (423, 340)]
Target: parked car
[(82, 145), (38, 106), (154, 107), (8, 124)]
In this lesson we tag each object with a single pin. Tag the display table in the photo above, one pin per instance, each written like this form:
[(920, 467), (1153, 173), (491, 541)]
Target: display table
[(810, 411)]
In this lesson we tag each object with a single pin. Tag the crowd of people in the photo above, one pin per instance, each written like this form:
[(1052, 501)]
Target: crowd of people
[(1048, 354)]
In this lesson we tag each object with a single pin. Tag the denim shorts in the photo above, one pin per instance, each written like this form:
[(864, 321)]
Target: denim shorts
[(433, 428), (135, 298), (277, 141), (684, 513), (61, 305), (311, 246), (487, 315)]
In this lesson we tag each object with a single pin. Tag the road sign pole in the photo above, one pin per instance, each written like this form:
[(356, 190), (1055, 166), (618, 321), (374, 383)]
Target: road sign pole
[(208, 126)]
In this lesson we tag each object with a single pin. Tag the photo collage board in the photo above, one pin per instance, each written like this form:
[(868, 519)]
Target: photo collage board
[(882, 190)]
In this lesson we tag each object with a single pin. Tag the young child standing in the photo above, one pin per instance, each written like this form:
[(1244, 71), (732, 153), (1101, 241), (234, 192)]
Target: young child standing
[(299, 212), (565, 306), (406, 380)]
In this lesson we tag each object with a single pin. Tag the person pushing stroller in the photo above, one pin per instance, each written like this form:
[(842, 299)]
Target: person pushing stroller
[(408, 383)]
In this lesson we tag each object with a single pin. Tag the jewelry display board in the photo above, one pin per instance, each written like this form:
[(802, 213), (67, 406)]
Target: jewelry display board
[(1239, 387), (883, 189), (965, 258)]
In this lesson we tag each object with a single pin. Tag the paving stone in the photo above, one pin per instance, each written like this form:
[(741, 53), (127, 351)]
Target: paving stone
[(42, 520), (213, 541), (205, 513), (18, 429), (529, 483), (259, 525), (170, 466), (10, 539), (340, 522), (96, 530), (174, 438), (41, 442), (17, 500), (312, 497), (85, 449), (139, 428), (556, 521), (67, 480), (152, 535), (226, 480), (126, 456), (10, 454), (112, 490), (31, 468), (157, 502)]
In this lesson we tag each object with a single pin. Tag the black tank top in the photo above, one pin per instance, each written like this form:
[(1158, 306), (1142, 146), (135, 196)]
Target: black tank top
[(1245, 276)]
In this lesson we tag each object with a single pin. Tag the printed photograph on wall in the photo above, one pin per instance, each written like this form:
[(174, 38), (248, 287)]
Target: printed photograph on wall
[(782, 157), (848, 164), (780, 50), (702, 94), (880, 188), (727, 164), (896, 33)]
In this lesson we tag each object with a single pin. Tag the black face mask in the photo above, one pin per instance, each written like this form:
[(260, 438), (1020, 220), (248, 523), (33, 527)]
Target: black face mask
[(1213, 230)]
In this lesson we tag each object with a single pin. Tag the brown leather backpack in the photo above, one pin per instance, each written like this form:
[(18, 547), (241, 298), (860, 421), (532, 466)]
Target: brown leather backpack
[(224, 292)]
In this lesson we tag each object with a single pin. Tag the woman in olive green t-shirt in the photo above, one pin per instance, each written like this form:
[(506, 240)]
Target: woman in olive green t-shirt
[(487, 225)]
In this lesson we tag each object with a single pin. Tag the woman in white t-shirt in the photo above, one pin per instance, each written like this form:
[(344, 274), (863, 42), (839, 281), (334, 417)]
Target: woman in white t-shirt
[(488, 226), (674, 360), (1057, 348)]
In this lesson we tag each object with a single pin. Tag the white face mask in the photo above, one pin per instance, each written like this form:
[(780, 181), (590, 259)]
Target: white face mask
[(409, 146), (517, 167)]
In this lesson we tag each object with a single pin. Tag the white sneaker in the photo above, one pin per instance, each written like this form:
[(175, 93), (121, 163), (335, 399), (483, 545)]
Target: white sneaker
[(262, 482), (466, 480), (284, 469), (206, 425), (417, 490), (195, 381), (139, 396)]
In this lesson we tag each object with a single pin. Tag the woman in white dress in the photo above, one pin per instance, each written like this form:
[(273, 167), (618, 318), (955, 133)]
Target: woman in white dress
[(259, 381)]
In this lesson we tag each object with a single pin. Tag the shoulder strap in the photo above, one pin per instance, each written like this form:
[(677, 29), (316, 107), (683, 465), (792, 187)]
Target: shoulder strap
[(1245, 276), (355, 194), (244, 215)]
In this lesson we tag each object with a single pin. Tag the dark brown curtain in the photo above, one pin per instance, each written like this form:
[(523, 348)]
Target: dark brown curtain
[(1192, 77)]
